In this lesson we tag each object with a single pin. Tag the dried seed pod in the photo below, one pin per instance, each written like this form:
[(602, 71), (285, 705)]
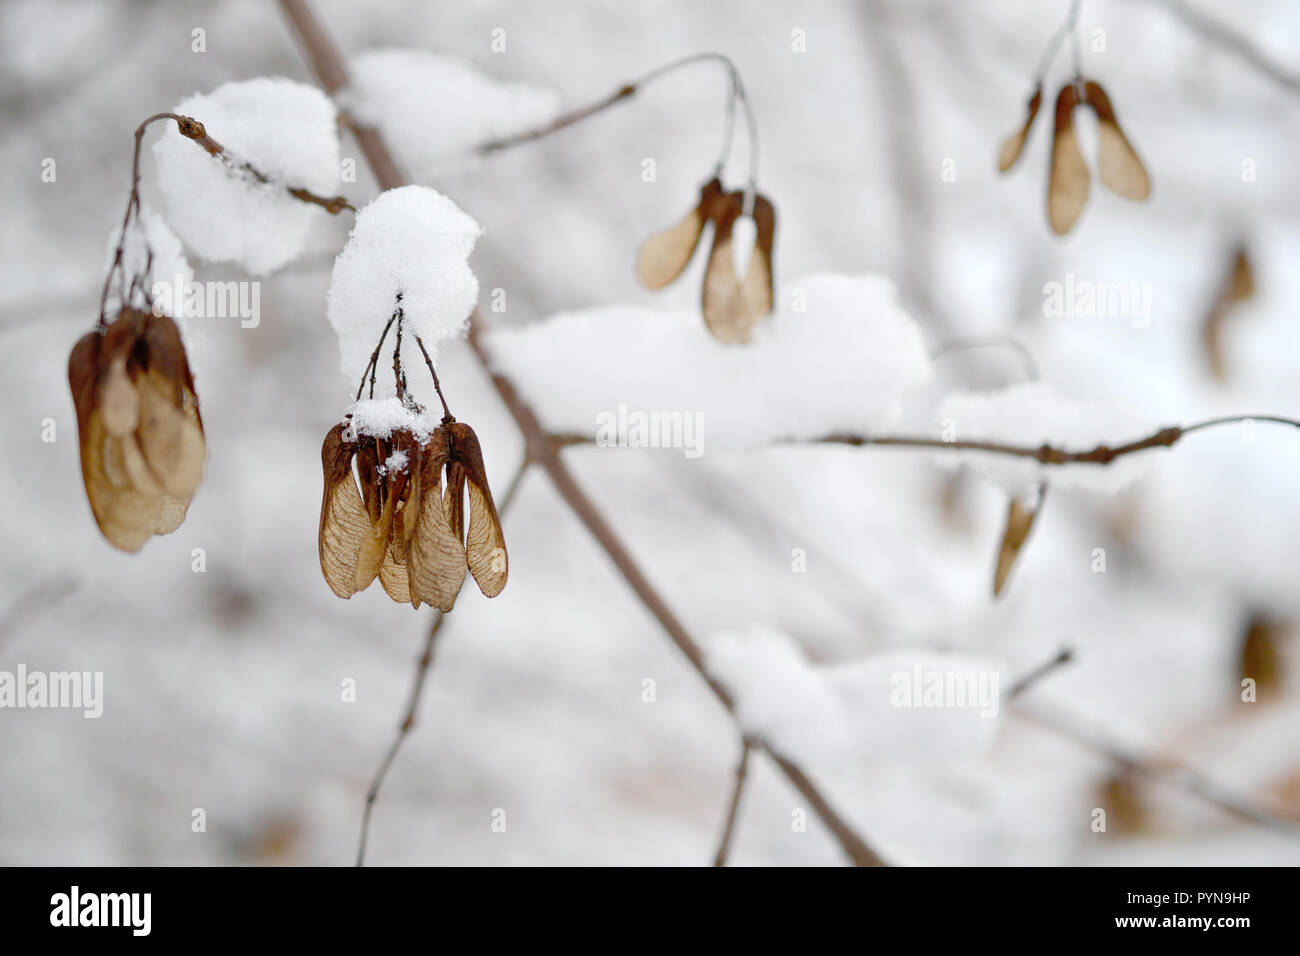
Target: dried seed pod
[(394, 575), (401, 527), (665, 255), (140, 432), (435, 559), (760, 280), (1067, 189), (1260, 658), (1118, 164), (1014, 144), (394, 579), (344, 522), (1238, 286), (732, 305), (726, 312), (1021, 512), (485, 545), (1125, 802)]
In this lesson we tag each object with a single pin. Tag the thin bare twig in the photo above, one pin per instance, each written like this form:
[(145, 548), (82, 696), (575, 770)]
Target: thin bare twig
[(1064, 656), (33, 602), (1159, 770), (1049, 454), (1067, 28), (437, 386), (327, 62), (403, 731), (1234, 42), (372, 366), (417, 691), (561, 122), (912, 199), (1044, 454), (194, 130), (724, 844), (132, 208), (735, 93)]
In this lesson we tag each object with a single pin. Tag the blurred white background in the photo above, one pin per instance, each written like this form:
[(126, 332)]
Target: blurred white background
[(222, 689)]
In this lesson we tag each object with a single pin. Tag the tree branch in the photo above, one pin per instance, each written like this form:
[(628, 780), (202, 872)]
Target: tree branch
[(1159, 771), (1023, 684), (736, 93), (1234, 42), (417, 691), (403, 731), (194, 130), (724, 844), (328, 65), (563, 121), (1050, 454)]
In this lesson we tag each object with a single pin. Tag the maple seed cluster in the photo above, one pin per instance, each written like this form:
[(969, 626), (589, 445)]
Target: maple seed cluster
[(1021, 512), (731, 305), (406, 525), (1121, 170), (140, 434)]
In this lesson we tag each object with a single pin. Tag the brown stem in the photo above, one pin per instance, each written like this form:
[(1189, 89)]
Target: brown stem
[(1064, 656), (1067, 28), (399, 380), (733, 809), (1225, 37), (735, 93), (403, 731), (1043, 454), (417, 691), (437, 386), (563, 121), (1158, 770), (373, 365), (328, 65), (192, 129), (132, 206), (1050, 454)]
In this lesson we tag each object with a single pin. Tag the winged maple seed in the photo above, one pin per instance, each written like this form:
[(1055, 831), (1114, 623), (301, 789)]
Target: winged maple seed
[(1069, 179), (1238, 286), (141, 436), (1068, 182), (1021, 512), (1121, 170), (1014, 144), (732, 305), (406, 526)]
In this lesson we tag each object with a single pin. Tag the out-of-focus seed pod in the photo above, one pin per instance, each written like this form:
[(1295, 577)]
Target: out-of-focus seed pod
[(1021, 512), (1067, 187), (731, 304), (1238, 286), (1014, 145), (665, 255), (1118, 164)]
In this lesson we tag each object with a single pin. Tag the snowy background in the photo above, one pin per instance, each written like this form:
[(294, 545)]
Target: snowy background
[(222, 689)]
